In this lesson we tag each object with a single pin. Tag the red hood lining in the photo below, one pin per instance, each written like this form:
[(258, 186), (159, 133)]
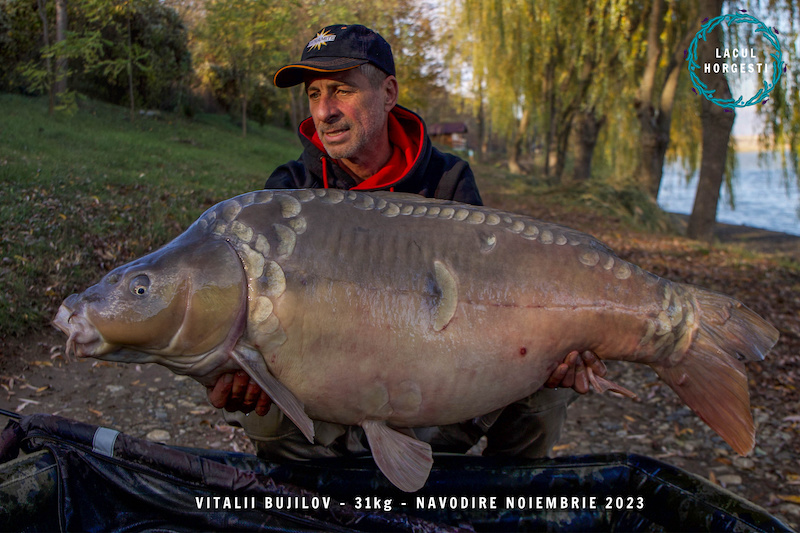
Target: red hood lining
[(406, 132)]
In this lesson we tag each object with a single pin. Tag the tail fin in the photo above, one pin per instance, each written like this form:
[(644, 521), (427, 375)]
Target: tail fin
[(710, 378)]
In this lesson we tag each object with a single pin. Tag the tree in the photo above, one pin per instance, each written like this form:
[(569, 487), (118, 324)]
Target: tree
[(717, 125), (241, 39), (543, 66), (655, 101), (780, 116), (107, 58), (47, 78), (61, 59)]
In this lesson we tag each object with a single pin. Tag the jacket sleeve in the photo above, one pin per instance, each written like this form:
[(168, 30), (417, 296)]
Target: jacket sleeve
[(291, 175), (457, 181), (466, 189)]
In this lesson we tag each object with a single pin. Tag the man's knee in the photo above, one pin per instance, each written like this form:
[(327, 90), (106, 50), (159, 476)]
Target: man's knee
[(532, 426)]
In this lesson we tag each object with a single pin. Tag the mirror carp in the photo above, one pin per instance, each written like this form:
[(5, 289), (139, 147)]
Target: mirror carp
[(392, 311)]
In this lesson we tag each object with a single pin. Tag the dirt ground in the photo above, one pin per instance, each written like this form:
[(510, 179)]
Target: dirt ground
[(148, 401)]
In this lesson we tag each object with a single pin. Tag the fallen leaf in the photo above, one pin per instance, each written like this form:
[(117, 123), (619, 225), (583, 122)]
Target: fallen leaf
[(25, 403), (790, 498), (95, 411), (560, 447), (712, 477)]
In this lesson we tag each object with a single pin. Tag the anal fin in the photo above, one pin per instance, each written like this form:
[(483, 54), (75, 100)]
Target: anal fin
[(405, 460), (253, 363)]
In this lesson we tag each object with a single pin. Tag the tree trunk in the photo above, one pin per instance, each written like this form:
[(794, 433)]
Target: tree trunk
[(655, 119), (717, 125), (549, 92), (587, 128), (61, 36), (481, 120), (130, 69), (244, 115), (651, 141), (562, 143), (42, 5), (297, 106), (514, 165)]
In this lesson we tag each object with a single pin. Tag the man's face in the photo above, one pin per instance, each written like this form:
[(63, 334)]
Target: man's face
[(349, 114)]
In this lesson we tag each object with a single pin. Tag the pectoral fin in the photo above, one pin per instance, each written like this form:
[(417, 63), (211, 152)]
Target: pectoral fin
[(405, 460), (253, 363)]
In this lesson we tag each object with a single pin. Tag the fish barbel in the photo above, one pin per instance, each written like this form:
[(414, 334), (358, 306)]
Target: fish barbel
[(393, 311)]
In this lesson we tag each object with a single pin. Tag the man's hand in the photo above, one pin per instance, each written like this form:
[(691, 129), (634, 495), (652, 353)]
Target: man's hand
[(236, 392), (572, 372)]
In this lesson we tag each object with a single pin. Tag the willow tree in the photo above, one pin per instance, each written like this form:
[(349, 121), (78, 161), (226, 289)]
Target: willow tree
[(780, 115), (546, 65), (671, 27)]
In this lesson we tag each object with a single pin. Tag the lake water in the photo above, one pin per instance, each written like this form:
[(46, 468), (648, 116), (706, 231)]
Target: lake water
[(762, 198)]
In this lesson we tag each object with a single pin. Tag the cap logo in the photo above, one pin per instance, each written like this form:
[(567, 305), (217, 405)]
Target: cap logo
[(324, 37)]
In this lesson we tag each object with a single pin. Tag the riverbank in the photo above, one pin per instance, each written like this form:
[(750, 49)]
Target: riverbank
[(758, 240)]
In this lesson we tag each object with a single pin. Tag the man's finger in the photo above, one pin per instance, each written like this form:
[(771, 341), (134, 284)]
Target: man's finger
[(572, 358), (581, 379), (252, 394), (240, 382), (219, 393), (569, 378), (590, 359), (263, 405), (557, 376)]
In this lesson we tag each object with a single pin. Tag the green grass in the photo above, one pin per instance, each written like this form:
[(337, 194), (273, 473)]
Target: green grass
[(85, 193)]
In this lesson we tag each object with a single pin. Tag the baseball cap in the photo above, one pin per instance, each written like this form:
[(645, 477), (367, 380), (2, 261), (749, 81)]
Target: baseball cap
[(336, 48)]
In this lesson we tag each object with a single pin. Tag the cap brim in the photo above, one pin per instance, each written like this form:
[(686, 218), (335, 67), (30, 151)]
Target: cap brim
[(294, 74)]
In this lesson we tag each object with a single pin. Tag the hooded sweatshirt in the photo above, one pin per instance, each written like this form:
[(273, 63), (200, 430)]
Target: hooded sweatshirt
[(415, 166)]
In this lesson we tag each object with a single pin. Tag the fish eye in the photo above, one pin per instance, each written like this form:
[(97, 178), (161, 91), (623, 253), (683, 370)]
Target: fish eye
[(139, 285)]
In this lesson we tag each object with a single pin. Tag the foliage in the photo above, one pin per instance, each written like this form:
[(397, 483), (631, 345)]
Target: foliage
[(84, 194), (150, 40), (98, 50), (19, 41), (538, 64), (225, 50), (780, 116), (239, 41)]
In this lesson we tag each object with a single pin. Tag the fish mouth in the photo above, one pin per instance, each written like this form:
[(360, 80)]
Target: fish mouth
[(83, 339)]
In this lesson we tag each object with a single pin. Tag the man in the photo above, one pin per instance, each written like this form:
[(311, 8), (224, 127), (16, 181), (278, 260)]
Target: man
[(359, 138)]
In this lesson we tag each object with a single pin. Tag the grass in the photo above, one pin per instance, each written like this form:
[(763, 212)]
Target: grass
[(85, 193)]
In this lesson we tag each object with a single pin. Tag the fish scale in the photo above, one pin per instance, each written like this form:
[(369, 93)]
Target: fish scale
[(391, 311)]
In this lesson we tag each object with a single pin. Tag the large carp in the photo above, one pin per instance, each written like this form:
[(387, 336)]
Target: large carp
[(392, 311)]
